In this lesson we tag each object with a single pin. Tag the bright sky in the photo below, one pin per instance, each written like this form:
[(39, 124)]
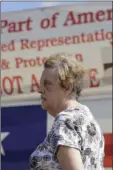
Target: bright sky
[(12, 6)]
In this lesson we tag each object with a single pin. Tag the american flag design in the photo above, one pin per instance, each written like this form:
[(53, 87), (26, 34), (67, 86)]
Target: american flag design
[(23, 128)]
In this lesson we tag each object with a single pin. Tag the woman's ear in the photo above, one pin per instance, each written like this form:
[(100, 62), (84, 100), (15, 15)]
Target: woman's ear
[(69, 89)]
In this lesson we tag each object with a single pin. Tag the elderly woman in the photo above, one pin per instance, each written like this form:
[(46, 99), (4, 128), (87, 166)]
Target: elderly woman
[(75, 141)]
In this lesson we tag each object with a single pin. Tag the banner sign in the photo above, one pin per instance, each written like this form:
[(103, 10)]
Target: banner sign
[(29, 37)]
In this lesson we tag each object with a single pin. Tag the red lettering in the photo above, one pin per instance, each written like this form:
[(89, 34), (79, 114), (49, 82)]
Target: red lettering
[(53, 42), (35, 84), (18, 79), (85, 17), (100, 16), (88, 17), (45, 23), (4, 64), (61, 41), (41, 44), (109, 14), (10, 84), (32, 62), (93, 79), (12, 27), (11, 46), (16, 26), (100, 35), (68, 40), (19, 61), (3, 47), (26, 63), (79, 57), (33, 44), (28, 24), (27, 44), (109, 35), (7, 85), (4, 23), (8, 47), (76, 39), (38, 61), (54, 17), (70, 18), (83, 38), (24, 44)]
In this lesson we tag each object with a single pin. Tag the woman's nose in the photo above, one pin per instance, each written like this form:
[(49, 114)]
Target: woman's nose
[(41, 90)]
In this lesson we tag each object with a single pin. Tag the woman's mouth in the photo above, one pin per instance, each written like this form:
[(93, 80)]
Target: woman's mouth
[(43, 99)]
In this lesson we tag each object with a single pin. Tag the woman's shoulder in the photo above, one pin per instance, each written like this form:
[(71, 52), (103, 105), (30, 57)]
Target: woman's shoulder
[(74, 113)]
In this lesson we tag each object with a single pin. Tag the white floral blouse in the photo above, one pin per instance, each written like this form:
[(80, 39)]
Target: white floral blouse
[(77, 128)]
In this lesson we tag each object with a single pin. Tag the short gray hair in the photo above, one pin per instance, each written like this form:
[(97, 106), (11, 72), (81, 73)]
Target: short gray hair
[(69, 71)]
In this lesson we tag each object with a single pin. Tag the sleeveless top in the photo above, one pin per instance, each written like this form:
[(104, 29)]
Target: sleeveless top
[(77, 128)]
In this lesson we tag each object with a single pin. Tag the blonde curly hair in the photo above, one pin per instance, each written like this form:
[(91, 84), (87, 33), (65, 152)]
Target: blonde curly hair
[(69, 71)]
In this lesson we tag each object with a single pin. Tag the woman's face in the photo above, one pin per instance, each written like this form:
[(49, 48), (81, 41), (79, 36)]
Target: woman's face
[(52, 94)]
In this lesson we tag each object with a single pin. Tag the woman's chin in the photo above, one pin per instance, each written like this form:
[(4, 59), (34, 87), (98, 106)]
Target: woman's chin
[(44, 105)]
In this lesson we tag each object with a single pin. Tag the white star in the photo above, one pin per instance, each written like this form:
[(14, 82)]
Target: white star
[(3, 136)]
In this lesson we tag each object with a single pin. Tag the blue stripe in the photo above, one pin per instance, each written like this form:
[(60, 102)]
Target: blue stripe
[(27, 127)]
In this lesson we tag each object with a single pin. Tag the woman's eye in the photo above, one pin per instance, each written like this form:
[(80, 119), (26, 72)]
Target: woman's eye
[(46, 84)]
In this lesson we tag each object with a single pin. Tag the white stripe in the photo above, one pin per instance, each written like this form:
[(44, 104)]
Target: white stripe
[(106, 125), (50, 120), (87, 95)]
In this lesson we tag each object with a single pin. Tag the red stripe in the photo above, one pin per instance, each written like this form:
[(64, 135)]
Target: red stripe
[(108, 161), (108, 138), (109, 150)]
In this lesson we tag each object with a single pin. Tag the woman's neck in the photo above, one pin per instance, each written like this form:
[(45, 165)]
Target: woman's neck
[(64, 106)]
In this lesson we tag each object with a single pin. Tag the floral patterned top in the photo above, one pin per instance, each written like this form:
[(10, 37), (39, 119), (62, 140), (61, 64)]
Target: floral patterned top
[(77, 128)]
